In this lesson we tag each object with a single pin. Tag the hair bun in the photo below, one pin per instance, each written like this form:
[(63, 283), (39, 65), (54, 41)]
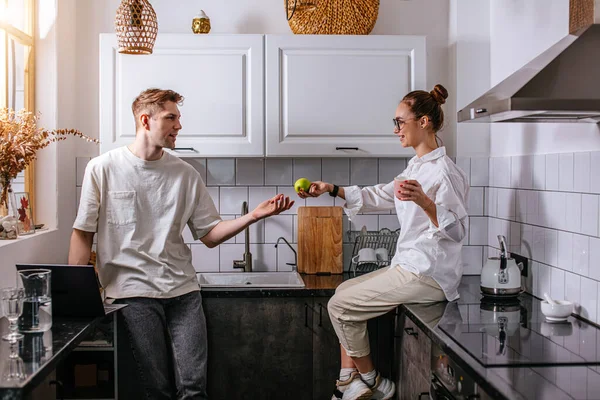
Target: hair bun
[(439, 94)]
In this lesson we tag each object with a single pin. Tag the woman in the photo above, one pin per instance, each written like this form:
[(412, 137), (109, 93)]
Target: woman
[(431, 209)]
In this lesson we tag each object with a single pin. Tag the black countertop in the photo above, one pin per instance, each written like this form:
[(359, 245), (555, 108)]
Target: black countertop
[(40, 353)]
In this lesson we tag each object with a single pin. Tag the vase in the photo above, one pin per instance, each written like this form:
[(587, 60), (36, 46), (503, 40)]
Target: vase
[(9, 224)]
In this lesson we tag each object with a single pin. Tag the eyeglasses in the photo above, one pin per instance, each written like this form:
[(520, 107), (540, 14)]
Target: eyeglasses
[(399, 123)]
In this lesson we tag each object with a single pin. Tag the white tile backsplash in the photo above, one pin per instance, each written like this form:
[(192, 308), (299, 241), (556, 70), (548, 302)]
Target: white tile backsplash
[(257, 195), (220, 172), (337, 171), (552, 171), (589, 214), (589, 301), (363, 171), (581, 178), (279, 225), (250, 172), (480, 171), (476, 200), (539, 172), (278, 172), (573, 212), (595, 166), (309, 168), (581, 254), (389, 168), (205, 259), (231, 199), (572, 287), (565, 172)]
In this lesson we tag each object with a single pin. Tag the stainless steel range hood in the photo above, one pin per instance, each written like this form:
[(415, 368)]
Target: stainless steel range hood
[(560, 85)]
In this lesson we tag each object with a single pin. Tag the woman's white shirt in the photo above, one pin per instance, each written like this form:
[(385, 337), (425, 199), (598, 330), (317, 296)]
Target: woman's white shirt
[(422, 247)]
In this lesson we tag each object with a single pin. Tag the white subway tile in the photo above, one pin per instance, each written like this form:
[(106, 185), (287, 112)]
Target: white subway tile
[(565, 250), (539, 240), (291, 193), (515, 237), (506, 203), (595, 166), (463, 163), (480, 171), (527, 241), (389, 221), (493, 205), (205, 259), (478, 231), (264, 257), (589, 214), (370, 221), (558, 212), (545, 279), (80, 164), (589, 302), (532, 207), (323, 200), (594, 266), (309, 168), (279, 225), (539, 172), (220, 172), (214, 195), (285, 255), (581, 254), (551, 247), (472, 257), (521, 206), (476, 200), (573, 212), (501, 171), (516, 166), (581, 176), (363, 171), (552, 173), (257, 195), (535, 272), (544, 208), (250, 172), (527, 172), (557, 282), (278, 172), (337, 170), (504, 230), (572, 287), (228, 253), (256, 232), (565, 172), (199, 165), (231, 199), (491, 163)]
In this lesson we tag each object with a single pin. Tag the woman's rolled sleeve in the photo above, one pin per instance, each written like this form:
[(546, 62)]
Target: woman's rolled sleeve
[(372, 198), (451, 211)]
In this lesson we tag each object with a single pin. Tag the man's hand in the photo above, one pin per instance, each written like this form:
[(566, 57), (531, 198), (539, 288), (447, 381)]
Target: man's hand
[(272, 206), (316, 189)]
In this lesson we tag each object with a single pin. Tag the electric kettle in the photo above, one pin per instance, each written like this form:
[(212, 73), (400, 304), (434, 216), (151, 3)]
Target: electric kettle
[(501, 276)]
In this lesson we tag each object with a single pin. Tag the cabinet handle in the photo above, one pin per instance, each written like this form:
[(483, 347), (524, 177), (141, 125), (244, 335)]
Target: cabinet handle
[(320, 314), (411, 332), (306, 315), (184, 148), (423, 394), (481, 110), (347, 148)]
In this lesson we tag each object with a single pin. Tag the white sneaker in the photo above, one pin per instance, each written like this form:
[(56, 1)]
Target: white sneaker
[(383, 389), (352, 388)]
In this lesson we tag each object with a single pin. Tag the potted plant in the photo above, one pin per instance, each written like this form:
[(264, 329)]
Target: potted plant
[(20, 140)]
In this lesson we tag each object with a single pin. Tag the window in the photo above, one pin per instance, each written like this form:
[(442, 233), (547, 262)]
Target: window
[(17, 68)]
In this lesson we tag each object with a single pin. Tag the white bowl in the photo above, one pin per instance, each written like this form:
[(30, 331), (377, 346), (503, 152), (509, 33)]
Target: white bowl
[(559, 312)]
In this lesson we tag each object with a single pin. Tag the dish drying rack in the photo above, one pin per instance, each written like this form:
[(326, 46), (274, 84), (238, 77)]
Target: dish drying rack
[(385, 238)]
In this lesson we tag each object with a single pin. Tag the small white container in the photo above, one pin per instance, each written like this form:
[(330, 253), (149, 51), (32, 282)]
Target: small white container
[(558, 312)]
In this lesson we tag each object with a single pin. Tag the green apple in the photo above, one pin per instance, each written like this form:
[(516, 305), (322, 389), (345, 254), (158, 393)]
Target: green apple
[(303, 184)]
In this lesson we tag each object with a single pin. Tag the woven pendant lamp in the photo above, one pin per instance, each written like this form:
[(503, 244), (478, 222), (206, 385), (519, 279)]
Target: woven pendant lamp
[(136, 27)]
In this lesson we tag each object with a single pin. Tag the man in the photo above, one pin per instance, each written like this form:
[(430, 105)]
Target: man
[(138, 198)]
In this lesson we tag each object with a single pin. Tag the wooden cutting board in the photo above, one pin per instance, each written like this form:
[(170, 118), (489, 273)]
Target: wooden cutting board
[(320, 239)]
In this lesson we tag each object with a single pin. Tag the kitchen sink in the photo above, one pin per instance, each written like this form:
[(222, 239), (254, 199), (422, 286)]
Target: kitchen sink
[(251, 280)]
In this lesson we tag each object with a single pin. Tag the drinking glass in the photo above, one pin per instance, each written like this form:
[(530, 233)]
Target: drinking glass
[(14, 369), (12, 307)]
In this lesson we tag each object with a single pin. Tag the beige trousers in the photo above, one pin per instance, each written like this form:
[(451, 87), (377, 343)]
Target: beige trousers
[(368, 296)]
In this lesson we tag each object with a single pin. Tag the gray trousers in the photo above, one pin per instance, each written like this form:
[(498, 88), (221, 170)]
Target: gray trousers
[(168, 342)]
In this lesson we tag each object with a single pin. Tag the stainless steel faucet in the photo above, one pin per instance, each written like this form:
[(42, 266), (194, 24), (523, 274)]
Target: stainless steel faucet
[(295, 264), (246, 263)]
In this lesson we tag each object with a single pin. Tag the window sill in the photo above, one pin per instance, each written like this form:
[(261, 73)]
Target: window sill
[(7, 243)]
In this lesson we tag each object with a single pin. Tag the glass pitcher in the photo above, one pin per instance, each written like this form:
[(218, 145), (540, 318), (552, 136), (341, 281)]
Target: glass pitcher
[(37, 304)]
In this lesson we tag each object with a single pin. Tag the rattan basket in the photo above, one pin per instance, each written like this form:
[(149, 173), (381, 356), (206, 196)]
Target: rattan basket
[(336, 17)]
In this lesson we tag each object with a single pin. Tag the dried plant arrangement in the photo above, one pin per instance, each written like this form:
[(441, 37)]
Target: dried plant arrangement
[(20, 140)]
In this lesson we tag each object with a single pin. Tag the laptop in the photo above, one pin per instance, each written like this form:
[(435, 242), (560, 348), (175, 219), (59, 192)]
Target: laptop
[(75, 290)]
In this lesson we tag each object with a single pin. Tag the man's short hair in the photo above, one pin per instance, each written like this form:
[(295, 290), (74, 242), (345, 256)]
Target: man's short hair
[(152, 101)]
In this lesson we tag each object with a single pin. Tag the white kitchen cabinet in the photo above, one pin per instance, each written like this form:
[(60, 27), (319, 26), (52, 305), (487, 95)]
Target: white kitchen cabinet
[(220, 76), (329, 96)]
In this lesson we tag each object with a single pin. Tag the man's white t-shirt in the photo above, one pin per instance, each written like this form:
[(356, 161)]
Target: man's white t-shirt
[(139, 209)]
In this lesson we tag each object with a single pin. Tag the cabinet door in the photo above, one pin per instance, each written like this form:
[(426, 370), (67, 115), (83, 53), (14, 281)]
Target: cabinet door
[(220, 76), (336, 95), (259, 348), (326, 351)]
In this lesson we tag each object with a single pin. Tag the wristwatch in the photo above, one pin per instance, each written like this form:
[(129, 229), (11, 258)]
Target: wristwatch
[(334, 192)]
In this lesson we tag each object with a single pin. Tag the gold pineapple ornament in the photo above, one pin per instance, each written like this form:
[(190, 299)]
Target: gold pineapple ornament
[(201, 23)]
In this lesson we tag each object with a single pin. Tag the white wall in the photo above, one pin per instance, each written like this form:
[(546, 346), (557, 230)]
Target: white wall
[(422, 17), (521, 30)]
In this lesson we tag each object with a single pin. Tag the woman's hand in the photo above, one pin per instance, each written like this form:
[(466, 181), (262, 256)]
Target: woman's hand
[(411, 190), (272, 206), (316, 189)]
